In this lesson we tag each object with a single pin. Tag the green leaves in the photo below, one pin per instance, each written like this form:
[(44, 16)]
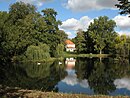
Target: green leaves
[(39, 52), (23, 26), (124, 6), (101, 31), (80, 42)]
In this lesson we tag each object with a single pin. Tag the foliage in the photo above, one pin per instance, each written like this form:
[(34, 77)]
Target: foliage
[(101, 74), (53, 35), (30, 76), (24, 26), (124, 6), (101, 33), (17, 30), (59, 50), (38, 52), (121, 46), (79, 41)]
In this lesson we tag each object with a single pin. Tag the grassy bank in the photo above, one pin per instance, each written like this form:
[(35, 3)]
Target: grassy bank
[(45, 60), (85, 55), (65, 55), (20, 93)]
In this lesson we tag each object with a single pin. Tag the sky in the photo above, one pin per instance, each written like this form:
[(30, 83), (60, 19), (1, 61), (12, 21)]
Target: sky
[(77, 14)]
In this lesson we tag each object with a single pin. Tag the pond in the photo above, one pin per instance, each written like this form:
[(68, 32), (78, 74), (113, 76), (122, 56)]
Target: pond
[(72, 75)]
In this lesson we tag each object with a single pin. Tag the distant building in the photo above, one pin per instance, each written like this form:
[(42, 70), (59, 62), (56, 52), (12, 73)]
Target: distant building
[(70, 46)]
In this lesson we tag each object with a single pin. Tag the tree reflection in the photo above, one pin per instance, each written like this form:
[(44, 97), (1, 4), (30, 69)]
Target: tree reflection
[(32, 76), (101, 74)]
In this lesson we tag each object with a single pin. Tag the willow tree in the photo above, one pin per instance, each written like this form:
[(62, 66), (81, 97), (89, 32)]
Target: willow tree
[(39, 52)]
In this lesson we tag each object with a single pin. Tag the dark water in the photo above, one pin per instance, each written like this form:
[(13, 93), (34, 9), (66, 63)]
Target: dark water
[(79, 75)]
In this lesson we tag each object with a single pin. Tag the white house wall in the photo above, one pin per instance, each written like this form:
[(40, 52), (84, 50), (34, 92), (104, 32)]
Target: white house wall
[(70, 45)]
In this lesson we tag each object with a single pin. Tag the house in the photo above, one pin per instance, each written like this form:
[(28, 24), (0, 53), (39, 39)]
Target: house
[(70, 46)]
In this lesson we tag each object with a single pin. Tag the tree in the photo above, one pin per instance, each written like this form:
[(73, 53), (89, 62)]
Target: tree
[(39, 52), (19, 29), (3, 18), (62, 36), (50, 19), (80, 42), (52, 31), (59, 50), (99, 32), (121, 46), (20, 10), (23, 26), (124, 6)]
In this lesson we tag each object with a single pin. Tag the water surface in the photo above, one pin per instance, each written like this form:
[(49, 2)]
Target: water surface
[(72, 75)]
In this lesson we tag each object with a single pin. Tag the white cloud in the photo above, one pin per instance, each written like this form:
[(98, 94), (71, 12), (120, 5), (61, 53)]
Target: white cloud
[(122, 83), (123, 32), (69, 33), (35, 2), (123, 22), (85, 5), (70, 26), (74, 24)]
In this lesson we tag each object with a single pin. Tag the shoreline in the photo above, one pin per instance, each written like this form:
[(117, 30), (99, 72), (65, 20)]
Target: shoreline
[(86, 55), (22, 93), (68, 55)]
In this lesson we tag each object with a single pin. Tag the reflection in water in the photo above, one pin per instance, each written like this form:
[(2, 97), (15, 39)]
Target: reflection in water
[(122, 83), (70, 63), (80, 75), (32, 76), (71, 78)]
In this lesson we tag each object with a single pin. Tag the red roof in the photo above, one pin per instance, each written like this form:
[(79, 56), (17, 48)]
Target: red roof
[(69, 42)]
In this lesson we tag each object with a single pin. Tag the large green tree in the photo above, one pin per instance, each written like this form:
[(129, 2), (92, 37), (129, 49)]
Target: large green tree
[(18, 29), (52, 33), (101, 32), (23, 26)]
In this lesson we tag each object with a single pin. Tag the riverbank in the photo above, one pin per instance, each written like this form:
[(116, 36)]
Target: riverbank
[(21, 93), (52, 59), (68, 55), (86, 55)]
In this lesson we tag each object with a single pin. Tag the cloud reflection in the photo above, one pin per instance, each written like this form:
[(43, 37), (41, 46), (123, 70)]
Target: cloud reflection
[(71, 79), (122, 83)]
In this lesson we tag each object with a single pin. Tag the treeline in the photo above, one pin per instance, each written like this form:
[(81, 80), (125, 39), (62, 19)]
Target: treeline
[(25, 32), (102, 38)]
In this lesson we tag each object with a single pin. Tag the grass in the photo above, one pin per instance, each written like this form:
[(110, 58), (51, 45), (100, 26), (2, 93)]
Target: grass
[(85, 55)]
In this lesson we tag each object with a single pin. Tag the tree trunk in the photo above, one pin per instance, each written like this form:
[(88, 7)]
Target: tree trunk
[(100, 55), (100, 51)]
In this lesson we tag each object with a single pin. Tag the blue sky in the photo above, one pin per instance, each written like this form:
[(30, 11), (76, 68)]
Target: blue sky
[(77, 14)]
